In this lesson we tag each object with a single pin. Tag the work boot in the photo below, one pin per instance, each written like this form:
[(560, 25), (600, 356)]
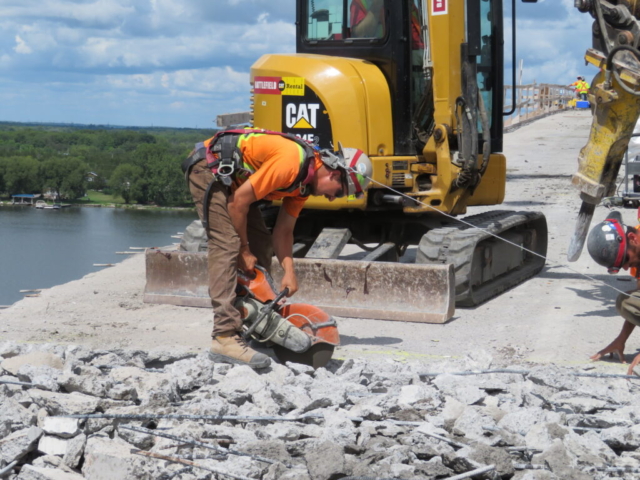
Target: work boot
[(233, 348)]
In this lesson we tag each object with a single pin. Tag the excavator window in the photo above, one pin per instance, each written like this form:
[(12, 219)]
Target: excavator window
[(345, 19), (485, 61)]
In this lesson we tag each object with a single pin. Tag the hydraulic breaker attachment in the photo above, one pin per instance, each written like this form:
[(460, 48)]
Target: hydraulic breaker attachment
[(350, 288), (615, 101)]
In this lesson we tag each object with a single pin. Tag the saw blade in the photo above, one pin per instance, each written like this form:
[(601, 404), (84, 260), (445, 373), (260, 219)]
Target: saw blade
[(580, 233), (317, 356)]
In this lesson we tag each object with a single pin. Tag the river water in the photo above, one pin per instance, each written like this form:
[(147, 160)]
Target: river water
[(43, 248)]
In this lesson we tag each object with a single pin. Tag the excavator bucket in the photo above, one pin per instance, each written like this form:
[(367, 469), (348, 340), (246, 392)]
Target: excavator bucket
[(347, 288)]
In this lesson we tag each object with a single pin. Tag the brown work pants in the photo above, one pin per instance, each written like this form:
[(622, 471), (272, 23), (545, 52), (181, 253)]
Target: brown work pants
[(629, 306), (224, 245)]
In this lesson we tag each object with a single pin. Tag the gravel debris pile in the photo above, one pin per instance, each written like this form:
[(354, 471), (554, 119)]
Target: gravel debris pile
[(72, 413)]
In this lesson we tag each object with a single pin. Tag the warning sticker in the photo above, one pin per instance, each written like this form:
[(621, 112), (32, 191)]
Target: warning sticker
[(266, 85), (439, 7), (293, 86)]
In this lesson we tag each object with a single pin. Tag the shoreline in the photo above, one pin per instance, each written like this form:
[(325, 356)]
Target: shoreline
[(105, 205)]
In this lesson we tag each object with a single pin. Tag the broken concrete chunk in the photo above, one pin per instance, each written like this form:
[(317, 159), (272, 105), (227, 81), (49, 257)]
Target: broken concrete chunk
[(37, 473), (325, 460), (61, 426), (13, 364), (75, 449), (50, 445), (64, 404), (19, 443)]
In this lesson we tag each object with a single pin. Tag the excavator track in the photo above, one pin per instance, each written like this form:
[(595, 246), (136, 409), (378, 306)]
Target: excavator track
[(484, 265)]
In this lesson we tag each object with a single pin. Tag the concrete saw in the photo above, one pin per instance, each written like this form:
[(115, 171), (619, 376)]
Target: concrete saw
[(297, 332)]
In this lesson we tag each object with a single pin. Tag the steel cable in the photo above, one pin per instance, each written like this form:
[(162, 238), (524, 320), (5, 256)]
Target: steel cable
[(556, 264)]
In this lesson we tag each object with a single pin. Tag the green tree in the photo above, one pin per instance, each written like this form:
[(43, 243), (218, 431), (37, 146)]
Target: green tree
[(3, 168), (166, 184), (22, 175), (66, 176), (127, 180)]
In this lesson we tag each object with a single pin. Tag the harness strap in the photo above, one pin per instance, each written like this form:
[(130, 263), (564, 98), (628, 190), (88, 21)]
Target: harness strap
[(225, 159), (198, 153), (206, 201)]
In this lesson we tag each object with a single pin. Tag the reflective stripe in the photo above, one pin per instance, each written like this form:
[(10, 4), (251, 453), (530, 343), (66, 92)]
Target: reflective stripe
[(244, 169), (622, 249), (353, 174)]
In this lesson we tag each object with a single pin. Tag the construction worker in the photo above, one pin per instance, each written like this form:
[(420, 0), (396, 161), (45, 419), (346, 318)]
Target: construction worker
[(614, 245), (581, 88), (228, 175), (367, 18)]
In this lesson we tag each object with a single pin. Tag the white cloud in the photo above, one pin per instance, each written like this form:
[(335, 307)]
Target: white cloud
[(212, 81), (166, 61), (21, 46)]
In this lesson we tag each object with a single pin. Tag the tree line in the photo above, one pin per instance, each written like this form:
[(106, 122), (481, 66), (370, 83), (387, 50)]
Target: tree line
[(143, 166)]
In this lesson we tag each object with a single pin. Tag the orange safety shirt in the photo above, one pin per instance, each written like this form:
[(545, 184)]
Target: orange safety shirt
[(276, 161)]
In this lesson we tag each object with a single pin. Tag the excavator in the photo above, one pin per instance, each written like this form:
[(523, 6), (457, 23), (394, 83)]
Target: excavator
[(420, 91)]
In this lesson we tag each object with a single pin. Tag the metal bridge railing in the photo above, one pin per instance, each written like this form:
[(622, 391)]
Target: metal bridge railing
[(535, 100)]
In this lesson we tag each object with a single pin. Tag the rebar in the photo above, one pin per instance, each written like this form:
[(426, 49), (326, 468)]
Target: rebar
[(196, 443), (587, 429), (473, 473), (527, 372), (8, 468), (214, 418), (444, 439), (617, 469), (523, 449), (187, 462), (529, 466), (112, 367), (476, 372), (12, 382), (490, 428)]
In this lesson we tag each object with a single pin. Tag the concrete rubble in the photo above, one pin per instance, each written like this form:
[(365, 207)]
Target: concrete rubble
[(69, 413)]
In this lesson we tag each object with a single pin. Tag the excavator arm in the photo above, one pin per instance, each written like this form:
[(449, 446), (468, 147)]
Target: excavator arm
[(615, 102)]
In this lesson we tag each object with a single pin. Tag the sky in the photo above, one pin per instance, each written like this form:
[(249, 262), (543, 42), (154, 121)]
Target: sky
[(179, 63)]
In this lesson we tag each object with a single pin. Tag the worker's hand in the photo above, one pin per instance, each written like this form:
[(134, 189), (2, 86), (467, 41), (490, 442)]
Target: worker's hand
[(247, 261), (633, 364), (289, 281), (616, 347)]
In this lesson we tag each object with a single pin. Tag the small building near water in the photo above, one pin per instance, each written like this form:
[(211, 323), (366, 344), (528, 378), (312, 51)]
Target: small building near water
[(24, 198)]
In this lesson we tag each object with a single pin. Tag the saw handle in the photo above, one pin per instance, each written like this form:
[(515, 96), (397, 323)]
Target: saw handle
[(266, 310), (280, 296)]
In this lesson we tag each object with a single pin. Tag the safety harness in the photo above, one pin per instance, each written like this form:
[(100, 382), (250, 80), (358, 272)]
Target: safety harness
[(224, 159)]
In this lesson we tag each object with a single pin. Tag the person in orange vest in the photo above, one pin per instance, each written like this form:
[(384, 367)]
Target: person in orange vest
[(228, 175), (616, 246), (367, 18), (581, 88)]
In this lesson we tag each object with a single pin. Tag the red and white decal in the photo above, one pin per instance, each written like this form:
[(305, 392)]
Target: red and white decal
[(267, 85), (439, 7)]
